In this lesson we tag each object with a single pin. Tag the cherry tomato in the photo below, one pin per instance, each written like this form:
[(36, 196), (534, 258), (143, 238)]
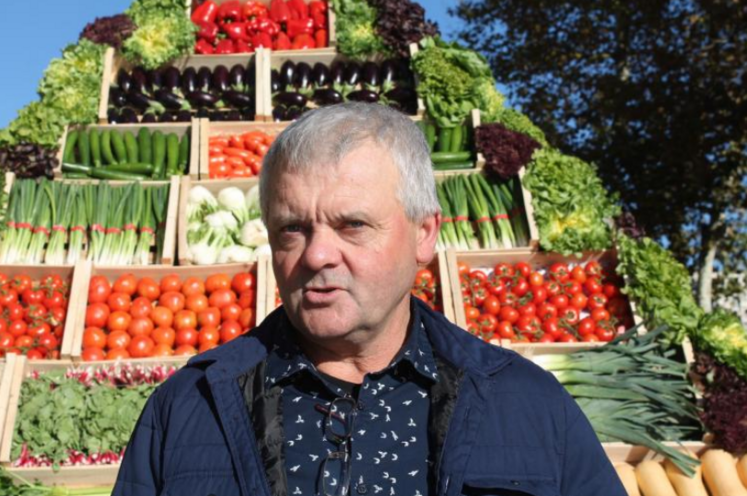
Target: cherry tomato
[(568, 338), (520, 287), (24, 341), (570, 315), (509, 314), (172, 300), (422, 278), (471, 313), (600, 314), (462, 268), (578, 274), (523, 268), (505, 330), (99, 289), (593, 269), (15, 311), (36, 331), (35, 313), (529, 325), (197, 302), (573, 288), (559, 272), (140, 327), (560, 301), (171, 282), (579, 301), (547, 311), (610, 290), (18, 328), (21, 283), (94, 337), (118, 321), (48, 341), (553, 288), (496, 286), (93, 355), (478, 276), (8, 297), (488, 324), (597, 300), (119, 302), (604, 331), (539, 295), (491, 305), (164, 335), (193, 286), (590, 338), (141, 347), (54, 299), (592, 286), (126, 283), (186, 336), (508, 299), (587, 326), (185, 319), (504, 270), (162, 317), (147, 287), (32, 297), (6, 340), (536, 279), (551, 327), (527, 310), (217, 282), (229, 330)]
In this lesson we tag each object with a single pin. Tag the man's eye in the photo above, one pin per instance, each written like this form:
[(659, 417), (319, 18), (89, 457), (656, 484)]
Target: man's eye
[(354, 224), (292, 228)]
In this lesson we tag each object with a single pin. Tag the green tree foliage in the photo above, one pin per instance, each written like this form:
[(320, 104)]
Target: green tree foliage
[(653, 92)]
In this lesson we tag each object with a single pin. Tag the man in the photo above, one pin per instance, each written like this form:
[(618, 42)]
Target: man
[(354, 387)]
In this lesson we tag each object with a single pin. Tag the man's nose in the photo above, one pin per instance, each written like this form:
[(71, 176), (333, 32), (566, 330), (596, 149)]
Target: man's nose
[(321, 250)]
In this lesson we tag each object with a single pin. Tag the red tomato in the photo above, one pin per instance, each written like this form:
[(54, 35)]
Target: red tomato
[(140, 327), (559, 272), (193, 286), (523, 268), (38, 330), (172, 300), (477, 278), (54, 299), (35, 313), (24, 342), (539, 295), (162, 317), (553, 288), (8, 297), (546, 338), (590, 338), (617, 306), (496, 286), (587, 326), (505, 330), (210, 317), (170, 283), (508, 299), (15, 311), (210, 335), (520, 287), (185, 350), (230, 312), (221, 298), (186, 336), (536, 279), (488, 324), (93, 355), (560, 301), (551, 327), (216, 282), (609, 290), (141, 347), (471, 312), (504, 271), (462, 268), (207, 346), (99, 289), (529, 325), (48, 341), (597, 300), (32, 297), (119, 302), (579, 301), (118, 321), (126, 283), (573, 287), (246, 299), (94, 337), (147, 287), (568, 338), (528, 310), (162, 350), (246, 319), (197, 302), (592, 286), (593, 269), (245, 281), (21, 283), (185, 319), (164, 335), (229, 330), (604, 331), (509, 314), (491, 305), (18, 328), (479, 295), (6, 340), (118, 354), (600, 314), (140, 310), (547, 311), (570, 315), (578, 274)]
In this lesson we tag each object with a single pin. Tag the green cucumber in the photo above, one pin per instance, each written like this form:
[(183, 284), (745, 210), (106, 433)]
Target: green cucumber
[(76, 168), (454, 166), (447, 157), (172, 155), (84, 148), (444, 139), (430, 135), (94, 137), (120, 150), (75, 175), (184, 154), (105, 173), (159, 154), (457, 135), (69, 154), (133, 168), (146, 151), (131, 148), (106, 148)]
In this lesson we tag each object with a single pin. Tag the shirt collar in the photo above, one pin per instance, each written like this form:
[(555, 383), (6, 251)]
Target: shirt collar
[(286, 358)]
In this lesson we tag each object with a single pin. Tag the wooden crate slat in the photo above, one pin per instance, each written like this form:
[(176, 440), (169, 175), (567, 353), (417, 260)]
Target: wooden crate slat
[(6, 440), (447, 296)]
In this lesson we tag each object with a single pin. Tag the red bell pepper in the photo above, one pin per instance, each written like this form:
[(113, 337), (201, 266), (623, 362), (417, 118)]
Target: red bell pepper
[(303, 41), (320, 21), (208, 31), (296, 27), (236, 31), (243, 47), (261, 40), (268, 26), (230, 12), (255, 10), (320, 38), (282, 42), (205, 12), (300, 7), (225, 47), (317, 7), (279, 11), (204, 47)]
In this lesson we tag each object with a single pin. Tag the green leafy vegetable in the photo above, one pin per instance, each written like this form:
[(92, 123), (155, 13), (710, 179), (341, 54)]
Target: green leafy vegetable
[(722, 334), (356, 31), (660, 286), (571, 206), (35, 123), (515, 121), (143, 11), (164, 32)]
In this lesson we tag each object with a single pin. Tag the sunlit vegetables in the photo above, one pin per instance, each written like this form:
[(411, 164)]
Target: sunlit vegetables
[(722, 334), (683, 484), (720, 473)]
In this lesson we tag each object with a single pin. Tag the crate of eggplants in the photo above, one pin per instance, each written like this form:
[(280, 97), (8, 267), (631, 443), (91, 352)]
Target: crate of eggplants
[(296, 85), (172, 95), (29, 160)]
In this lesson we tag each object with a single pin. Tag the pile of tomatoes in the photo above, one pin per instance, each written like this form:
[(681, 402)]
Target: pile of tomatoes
[(426, 288), (561, 304), (237, 155), (139, 318), (33, 315)]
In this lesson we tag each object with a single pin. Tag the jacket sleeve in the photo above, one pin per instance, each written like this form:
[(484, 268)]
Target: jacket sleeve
[(586, 469), (139, 474)]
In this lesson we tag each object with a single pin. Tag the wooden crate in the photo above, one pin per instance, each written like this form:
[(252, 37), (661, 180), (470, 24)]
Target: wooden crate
[(170, 223), (473, 121), (438, 265), (277, 58), (113, 62), (210, 129), (538, 260), (87, 270), (68, 272), (212, 185), (179, 128)]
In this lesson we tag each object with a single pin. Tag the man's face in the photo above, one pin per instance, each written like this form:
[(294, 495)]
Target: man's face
[(344, 253)]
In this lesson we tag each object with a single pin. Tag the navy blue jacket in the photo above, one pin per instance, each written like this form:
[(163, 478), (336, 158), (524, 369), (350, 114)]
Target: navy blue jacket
[(500, 426)]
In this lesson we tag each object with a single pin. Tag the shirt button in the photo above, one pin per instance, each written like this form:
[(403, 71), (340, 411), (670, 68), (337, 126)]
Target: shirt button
[(516, 483), (361, 405), (361, 489)]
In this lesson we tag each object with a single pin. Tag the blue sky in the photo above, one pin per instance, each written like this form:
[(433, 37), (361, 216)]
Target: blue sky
[(32, 33)]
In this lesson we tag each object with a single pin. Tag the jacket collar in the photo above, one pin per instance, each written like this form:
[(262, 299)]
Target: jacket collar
[(453, 344)]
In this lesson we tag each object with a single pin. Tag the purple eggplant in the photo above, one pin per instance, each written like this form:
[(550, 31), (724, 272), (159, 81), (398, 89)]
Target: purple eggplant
[(220, 80), (117, 97), (140, 101), (401, 95), (291, 99), (278, 113), (237, 99), (247, 114), (274, 81), (128, 116), (352, 74), (204, 78), (202, 99), (370, 75), (337, 72), (320, 75), (113, 116), (171, 78), (233, 115), (327, 96), (189, 80), (388, 72), (237, 77), (184, 116), (293, 113), (170, 100), (251, 76), (155, 79), (217, 116), (287, 75), (363, 96), (302, 78), (139, 81), (202, 113), (124, 82), (149, 118), (167, 116)]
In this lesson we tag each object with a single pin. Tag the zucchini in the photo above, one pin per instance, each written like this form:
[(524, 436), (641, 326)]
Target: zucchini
[(84, 148), (131, 147), (76, 168), (106, 148), (444, 139), (454, 166), (445, 157), (457, 135), (430, 135), (94, 137), (184, 154), (159, 154), (172, 155), (75, 175), (69, 154), (120, 151), (144, 143), (105, 173), (133, 168)]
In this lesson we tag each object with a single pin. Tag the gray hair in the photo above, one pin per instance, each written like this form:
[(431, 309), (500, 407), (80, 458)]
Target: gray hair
[(325, 135)]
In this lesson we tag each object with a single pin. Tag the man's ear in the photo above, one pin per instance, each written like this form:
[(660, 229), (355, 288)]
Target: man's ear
[(428, 230)]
